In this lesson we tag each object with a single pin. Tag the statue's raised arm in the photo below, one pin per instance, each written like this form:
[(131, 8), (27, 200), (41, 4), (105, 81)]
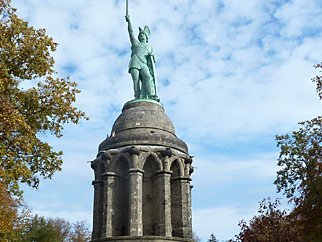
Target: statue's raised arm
[(141, 66), (130, 28)]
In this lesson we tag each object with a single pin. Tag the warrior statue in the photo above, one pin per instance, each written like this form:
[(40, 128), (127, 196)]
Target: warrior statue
[(141, 66)]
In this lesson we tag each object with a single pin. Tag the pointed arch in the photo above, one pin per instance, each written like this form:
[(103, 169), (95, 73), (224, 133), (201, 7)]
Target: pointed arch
[(176, 196), (176, 166), (150, 194), (119, 157), (120, 217), (156, 159)]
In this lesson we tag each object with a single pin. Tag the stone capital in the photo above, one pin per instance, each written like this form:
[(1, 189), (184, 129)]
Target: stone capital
[(94, 164), (188, 160), (167, 152), (108, 174), (97, 183), (136, 170), (181, 179), (104, 155), (164, 172), (134, 151)]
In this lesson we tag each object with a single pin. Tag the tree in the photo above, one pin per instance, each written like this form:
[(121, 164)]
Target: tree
[(27, 113), (80, 232), (300, 179), (13, 215), (8, 213), (271, 225), (212, 238), (62, 228), (195, 237), (17, 224), (300, 176), (41, 229), (318, 80)]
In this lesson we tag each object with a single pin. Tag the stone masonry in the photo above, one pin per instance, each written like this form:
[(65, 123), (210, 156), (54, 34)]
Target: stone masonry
[(142, 188)]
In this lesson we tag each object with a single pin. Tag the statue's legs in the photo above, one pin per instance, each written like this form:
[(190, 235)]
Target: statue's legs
[(143, 93), (146, 81), (135, 73)]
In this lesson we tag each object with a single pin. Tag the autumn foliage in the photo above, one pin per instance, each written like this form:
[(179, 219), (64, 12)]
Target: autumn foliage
[(300, 180), (13, 215), (33, 102), (270, 225), (17, 224), (42, 106), (41, 229), (300, 177), (318, 80)]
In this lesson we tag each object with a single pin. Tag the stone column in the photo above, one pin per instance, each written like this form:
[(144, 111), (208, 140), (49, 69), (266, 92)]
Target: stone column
[(188, 172), (109, 190), (97, 213), (135, 203), (189, 230), (165, 227), (186, 207)]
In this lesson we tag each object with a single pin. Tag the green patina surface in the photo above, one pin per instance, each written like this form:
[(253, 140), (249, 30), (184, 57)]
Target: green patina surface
[(141, 66)]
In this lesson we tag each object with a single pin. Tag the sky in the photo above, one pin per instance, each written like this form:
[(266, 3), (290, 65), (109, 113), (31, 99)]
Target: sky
[(231, 75)]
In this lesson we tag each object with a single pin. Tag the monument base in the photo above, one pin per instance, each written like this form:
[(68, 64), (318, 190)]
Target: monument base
[(142, 100), (142, 239)]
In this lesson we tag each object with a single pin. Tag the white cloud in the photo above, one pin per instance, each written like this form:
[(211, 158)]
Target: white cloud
[(231, 75), (299, 17), (220, 221), (226, 169)]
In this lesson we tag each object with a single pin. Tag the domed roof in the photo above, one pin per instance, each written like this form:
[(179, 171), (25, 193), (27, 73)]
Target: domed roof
[(143, 123)]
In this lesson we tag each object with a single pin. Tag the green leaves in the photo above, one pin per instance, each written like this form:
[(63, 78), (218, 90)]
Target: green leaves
[(300, 176), (300, 179), (300, 158), (40, 229)]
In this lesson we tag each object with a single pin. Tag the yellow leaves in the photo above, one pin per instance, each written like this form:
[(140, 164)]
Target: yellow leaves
[(13, 216), (24, 55), (25, 51), (8, 212)]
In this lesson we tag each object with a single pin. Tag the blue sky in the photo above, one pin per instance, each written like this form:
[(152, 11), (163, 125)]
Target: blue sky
[(231, 75)]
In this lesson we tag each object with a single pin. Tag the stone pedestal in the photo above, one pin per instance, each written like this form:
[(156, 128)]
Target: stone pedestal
[(143, 239), (142, 180)]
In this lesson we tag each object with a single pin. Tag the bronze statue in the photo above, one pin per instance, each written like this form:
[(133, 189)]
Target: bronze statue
[(141, 66)]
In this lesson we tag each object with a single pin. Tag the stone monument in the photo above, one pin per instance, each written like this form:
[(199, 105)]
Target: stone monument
[(142, 188)]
